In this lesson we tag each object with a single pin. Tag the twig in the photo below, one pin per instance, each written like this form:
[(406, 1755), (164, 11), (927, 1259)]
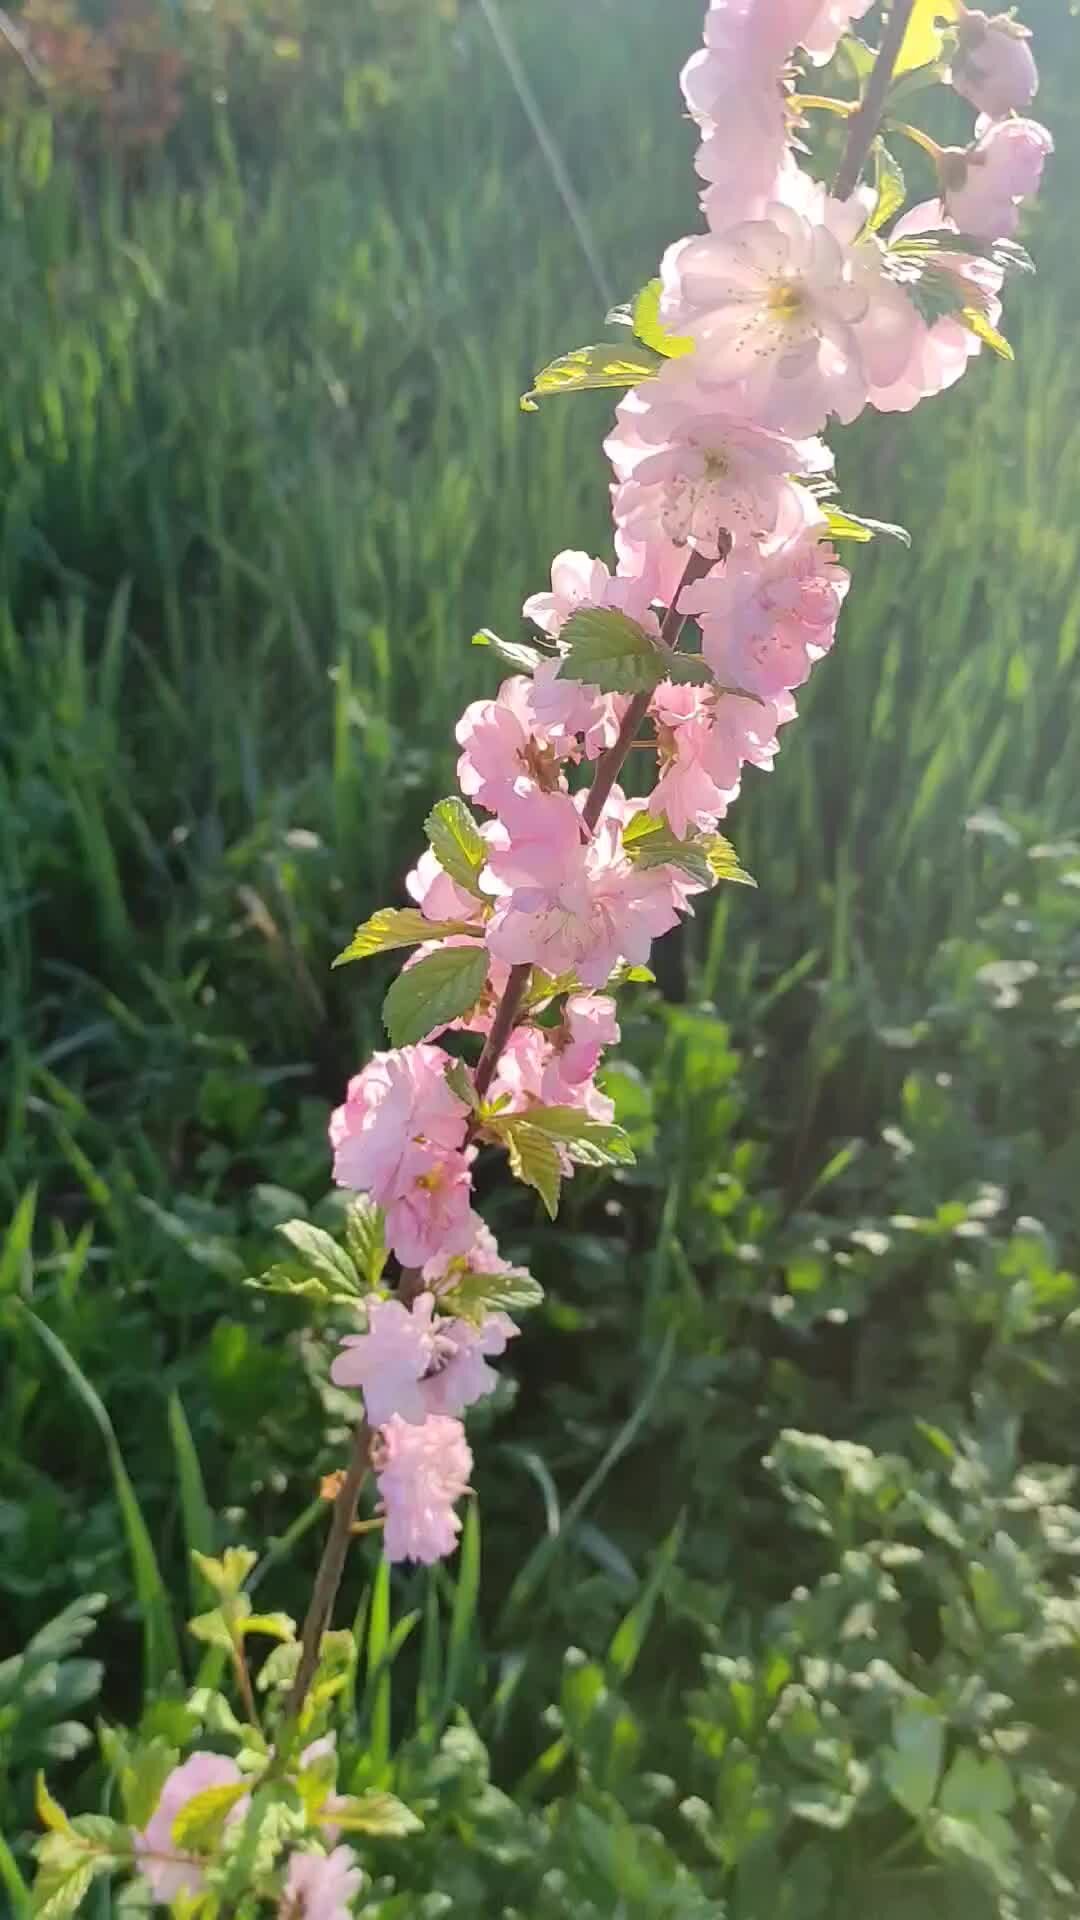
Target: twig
[(866, 121), (328, 1578)]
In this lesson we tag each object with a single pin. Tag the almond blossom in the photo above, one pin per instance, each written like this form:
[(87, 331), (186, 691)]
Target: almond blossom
[(504, 745), (421, 1472), (766, 619), (413, 1362), (704, 741), (320, 1886), (984, 185), (399, 1137)]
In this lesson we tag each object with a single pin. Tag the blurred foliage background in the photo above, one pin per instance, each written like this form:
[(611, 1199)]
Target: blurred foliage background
[(273, 278)]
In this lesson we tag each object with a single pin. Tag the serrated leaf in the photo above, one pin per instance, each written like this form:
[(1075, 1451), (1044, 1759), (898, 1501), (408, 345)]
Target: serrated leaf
[(521, 658), (373, 1812), (459, 1081), (978, 324), (650, 329), (227, 1574), (201, 1821), (475, 1295), (212, 1629), (457, 843), (142, 1777), (395, 927), (724, 863), (49, 1811), (840, 524), (291, 1280), (890, 185), (610, 651), (690, 670), (277, 1626), (912, 1766), (591, 1142), (608, 364), (365, 1238), (321, 1255), (534, 1159), (649, 841), (61, 1891), (438, 989), (924, 40)]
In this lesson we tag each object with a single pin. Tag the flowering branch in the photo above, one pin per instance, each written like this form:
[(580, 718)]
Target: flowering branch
[(866, 121)]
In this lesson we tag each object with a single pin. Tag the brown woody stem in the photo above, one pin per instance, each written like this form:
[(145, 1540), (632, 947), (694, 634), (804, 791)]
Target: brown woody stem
[(328, 1578), (866, 121)]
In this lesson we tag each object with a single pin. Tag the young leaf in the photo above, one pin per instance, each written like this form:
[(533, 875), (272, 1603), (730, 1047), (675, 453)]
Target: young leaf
[(912, 1766), (476, 1295), (321, 1256), (459, 1081), (649, 328), (924, 40), (373, 1812), (724, 861), (394, 927), (890, 184), (977, 323), (276, 1626), (201, 1821), (213, 1629), (227, 1575), (48, 1810), (365, 1237), (842, 525), (437, 990), (534, 1159), (649, 841), (457, 843), (591, 1142), (610, 651), (611, 364), (521, 658)]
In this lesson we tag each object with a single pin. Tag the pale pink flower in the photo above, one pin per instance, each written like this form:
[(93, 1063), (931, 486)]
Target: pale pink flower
[(691, 473), (412, 1362), (589, 1025), (462, 1375), (437, 896), (166, 1868), (831, 19), (422, 1472), (399, 1099), (994, 66), (704, 742), (482, 1256), (942, 350), (578, 581), (766, 620), (504, 744), (320, 1886), (732, 86), (569, 906), (547, 1066), (430, 1212), (984, 184), (389, 1361), (775, 309), (567, 711)]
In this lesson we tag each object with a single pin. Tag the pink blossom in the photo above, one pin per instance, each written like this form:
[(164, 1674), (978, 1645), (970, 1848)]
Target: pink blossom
[(704, 743), (437, 896), (462, 1374), (942, 350), (567, 710), (578, 581), (430, 1213), (985, 184), (831, 20), (732, 86), (691, 472), (766, 620), (569, 906), (482, 1256), (547, 1067), (389, 1361), (166, 1868), (320, 1886), (399, 1099), (994, 66), (421, 1473), (791, 319), (588, 1026), (505, 745)]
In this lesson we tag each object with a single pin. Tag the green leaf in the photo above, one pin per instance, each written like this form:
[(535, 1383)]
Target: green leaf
[(394, 927), (912, 1765), (977, 323), (142, 1776), (201, 1821), (436, 990), (521, 658), (610, 364), (924, 40), (213, 1629), (459, 1081), (475, 1295), (591, 1143), (365, 1238), (649, 841), (49, 1811), (690, 670), (534, 1159), (277, 1626), (457, 843), (976, 1787), (373, 1812), (60, 1889), (610, 651), (321, 1256), (649, 328), (890, 184), (724, 864), (840, 524)]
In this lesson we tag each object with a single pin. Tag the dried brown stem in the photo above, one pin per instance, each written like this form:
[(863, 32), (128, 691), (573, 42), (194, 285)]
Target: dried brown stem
[(328, 1578)]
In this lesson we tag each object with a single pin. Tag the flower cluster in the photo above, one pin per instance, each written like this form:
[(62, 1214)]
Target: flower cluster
[(796, 306)]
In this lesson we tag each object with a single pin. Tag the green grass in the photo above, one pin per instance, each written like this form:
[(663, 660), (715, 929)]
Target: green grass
[(264, 473)]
